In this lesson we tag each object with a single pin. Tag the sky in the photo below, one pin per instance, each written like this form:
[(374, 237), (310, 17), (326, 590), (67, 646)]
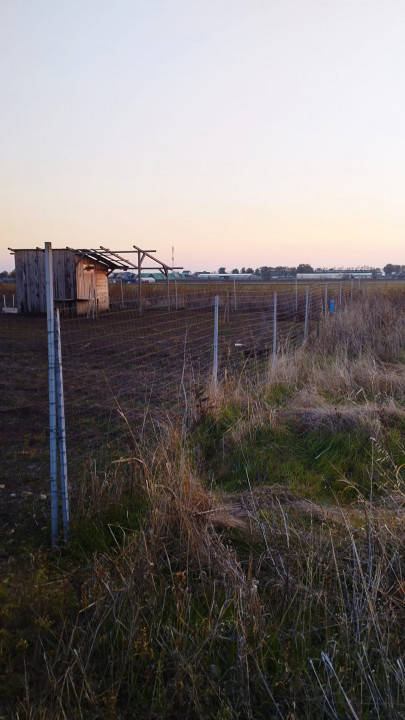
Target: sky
[(241, 133)]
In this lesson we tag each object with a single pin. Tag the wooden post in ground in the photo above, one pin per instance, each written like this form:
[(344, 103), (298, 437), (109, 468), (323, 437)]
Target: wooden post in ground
[(139, 284), (167, 289)]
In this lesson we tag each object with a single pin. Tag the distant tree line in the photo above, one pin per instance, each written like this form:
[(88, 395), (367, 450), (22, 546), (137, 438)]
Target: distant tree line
[(4, 275), (268, 272), (398, 270)]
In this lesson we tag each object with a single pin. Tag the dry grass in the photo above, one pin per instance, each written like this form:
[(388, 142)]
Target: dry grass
[(375, 326), (294, 610)]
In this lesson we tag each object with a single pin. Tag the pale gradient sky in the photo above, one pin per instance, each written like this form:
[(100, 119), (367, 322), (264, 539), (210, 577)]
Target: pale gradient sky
[(247, 132)]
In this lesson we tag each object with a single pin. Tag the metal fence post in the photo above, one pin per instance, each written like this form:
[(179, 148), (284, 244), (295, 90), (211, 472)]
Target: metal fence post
[(306, 313), (296, 294), (326, 298), (274, 328), (340, 294), (60, 404), (52, 392), (215, 363), (351, 291), (234, 295)]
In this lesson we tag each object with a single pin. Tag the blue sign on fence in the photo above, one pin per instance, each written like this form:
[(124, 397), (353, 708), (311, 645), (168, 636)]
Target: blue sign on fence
[(332, 306)]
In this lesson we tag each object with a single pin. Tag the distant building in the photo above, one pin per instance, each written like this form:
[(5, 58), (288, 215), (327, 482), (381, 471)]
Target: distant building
[(81, 277), (344, 275), (224, 276), (78, 278), (160, 277)]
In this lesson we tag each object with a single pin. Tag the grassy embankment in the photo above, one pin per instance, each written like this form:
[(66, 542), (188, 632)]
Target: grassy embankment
[(249, 566)]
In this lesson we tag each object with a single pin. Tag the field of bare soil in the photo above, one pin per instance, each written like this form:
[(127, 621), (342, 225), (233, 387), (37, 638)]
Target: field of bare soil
[(120, 363), (125, 370)]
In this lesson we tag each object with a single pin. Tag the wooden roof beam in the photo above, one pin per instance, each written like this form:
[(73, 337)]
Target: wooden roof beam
[(114, 254), (146, 252), (92, 256)]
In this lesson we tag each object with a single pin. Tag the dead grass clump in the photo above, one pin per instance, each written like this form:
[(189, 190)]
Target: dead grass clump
[(182, 509), (162, 610), (375, 326), (264, 604)]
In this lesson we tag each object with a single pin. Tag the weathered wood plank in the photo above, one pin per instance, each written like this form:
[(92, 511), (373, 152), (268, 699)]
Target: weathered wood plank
[(75, 277)]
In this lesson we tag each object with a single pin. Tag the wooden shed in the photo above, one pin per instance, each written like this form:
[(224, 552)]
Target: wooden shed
[(80, 280)]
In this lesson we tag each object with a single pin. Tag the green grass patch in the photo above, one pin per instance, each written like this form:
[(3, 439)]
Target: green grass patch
[(313, 463), (278, 394), (110, 528)]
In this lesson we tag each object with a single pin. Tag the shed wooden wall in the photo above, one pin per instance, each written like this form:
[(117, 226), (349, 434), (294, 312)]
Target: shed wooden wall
[(71, 281), (30, 279), (89, 281), (85, 284), (103, 290), (64, 274)]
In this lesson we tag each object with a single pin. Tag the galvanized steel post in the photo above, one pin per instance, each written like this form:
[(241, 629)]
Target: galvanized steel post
[(215, 362), (60, 403), (306, 313), (274, 328), (53, 452)]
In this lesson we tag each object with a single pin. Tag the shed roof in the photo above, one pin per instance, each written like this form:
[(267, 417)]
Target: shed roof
[(103, 259), (91, 254), (113, 259)]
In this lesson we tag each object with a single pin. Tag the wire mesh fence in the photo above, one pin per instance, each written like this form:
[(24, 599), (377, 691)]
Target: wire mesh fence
[(145, 366), (24, 419), (133, 368)]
